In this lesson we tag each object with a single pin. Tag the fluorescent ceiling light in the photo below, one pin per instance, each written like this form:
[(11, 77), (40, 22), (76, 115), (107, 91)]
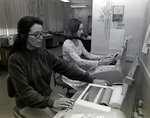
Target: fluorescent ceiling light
[(65, 0), (78, 6)]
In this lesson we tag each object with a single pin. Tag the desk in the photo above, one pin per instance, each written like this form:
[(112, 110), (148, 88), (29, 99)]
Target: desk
[(50, 41)]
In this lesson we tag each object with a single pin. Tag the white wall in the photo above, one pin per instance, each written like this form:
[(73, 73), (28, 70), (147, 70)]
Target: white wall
[(134, 12)]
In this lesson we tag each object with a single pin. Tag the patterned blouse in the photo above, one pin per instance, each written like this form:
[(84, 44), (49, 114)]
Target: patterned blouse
[(72, 54)]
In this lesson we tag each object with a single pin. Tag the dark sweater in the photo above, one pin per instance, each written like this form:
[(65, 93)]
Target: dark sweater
[(30, 72)]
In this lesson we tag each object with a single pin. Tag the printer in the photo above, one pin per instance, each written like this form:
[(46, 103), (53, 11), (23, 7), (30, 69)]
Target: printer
[(96, 101), (112, 73), (100, 101)]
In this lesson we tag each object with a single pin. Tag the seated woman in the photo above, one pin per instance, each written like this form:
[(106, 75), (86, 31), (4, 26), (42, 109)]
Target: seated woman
[(73, 48), (30, 68)]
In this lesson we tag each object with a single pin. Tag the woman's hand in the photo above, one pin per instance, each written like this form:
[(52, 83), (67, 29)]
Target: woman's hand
[(101, 82), (63, 103), (107, 56), (106, 61)]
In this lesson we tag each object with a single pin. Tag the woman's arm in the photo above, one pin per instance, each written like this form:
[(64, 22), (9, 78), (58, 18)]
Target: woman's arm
[(63, 67), (20, 82), (72, 72), (70, 51), (87, 54), (93, 56)]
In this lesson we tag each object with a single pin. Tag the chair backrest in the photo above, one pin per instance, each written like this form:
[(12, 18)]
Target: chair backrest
[(10, 88), (11, 93)]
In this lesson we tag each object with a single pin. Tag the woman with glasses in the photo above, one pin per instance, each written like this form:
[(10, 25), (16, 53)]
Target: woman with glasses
[(30, 68), (73, 49)]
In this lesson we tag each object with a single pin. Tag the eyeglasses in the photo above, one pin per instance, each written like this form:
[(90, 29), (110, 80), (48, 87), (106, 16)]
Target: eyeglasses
[(38, 35)]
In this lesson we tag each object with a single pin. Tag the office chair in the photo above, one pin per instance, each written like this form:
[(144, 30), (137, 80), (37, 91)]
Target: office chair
[(11, 93), (58, 81)]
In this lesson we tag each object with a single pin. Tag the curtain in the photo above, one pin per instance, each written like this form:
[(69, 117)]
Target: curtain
[(60, 17), (10, 13), (50, 15), (50, 11), (16, 10), (3, 21), (54, 15)]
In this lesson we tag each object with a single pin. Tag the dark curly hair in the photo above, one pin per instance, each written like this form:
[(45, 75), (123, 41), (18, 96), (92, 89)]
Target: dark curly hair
[(23, 28)]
